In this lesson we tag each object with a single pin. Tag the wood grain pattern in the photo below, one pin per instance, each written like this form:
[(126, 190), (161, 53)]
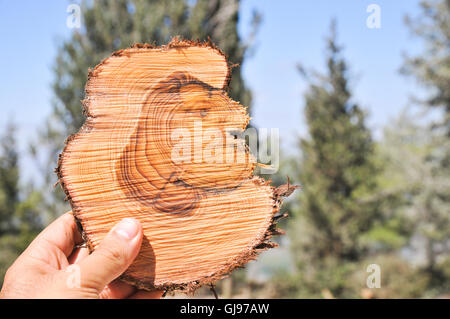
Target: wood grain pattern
[(202, 218)]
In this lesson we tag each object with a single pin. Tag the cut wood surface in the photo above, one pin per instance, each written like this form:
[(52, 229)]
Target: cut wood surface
[(145, 151)]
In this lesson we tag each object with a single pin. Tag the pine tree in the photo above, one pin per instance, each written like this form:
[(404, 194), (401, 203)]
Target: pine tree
[(9, 179), (432, 201), (432, 67), (108, 26), (413, 154), (337, 173)]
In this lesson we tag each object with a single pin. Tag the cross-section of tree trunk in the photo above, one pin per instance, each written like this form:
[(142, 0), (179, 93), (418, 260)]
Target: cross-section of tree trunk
[(159, 144)]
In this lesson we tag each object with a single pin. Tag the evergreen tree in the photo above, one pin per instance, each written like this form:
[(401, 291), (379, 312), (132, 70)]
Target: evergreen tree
[(108, 26), (337, 173), (413, 155), (432, 68), (9, 179), (21, 215)]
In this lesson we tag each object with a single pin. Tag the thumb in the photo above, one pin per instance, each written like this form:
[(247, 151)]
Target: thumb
[(113, 255)]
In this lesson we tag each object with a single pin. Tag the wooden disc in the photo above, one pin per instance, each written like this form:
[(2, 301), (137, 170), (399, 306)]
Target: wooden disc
[(159, 145)]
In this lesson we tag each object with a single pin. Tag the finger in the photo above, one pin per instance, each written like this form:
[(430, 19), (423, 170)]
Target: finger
[(144, 294), (117, 290), (113, 256), (61, 235), (78, 255)]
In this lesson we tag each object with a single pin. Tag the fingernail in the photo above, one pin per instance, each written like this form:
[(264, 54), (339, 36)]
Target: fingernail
[(127, 228)]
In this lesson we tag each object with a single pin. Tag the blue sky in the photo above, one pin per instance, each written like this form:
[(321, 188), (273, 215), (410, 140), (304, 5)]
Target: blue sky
[(291, 32)]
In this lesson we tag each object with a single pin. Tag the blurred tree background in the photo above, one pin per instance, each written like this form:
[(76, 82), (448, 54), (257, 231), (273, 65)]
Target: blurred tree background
[(21, 217), (363, 201), (108, 26)]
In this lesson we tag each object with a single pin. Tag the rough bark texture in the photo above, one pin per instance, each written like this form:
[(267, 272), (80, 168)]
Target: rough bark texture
[(203, 214)]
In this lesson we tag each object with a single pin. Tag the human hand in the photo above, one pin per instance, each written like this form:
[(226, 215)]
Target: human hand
[(44, 269)]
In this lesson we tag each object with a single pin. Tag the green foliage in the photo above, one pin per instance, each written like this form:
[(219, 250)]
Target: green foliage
[(9, 179), (336, 280), (20, 215), (337, 169), (361, 203), (108, 26)]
